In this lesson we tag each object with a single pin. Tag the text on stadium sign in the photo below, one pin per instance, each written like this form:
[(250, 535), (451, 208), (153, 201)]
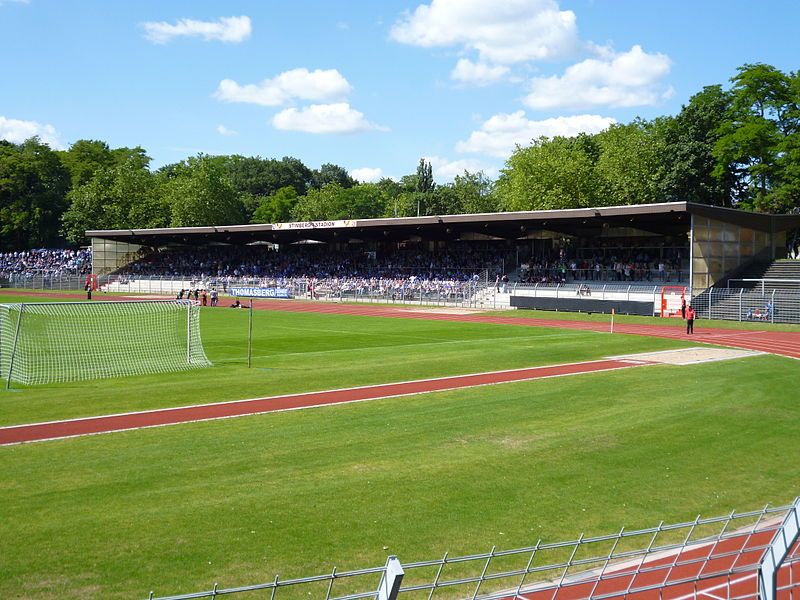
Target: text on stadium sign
[(315, 224), (260, 292)]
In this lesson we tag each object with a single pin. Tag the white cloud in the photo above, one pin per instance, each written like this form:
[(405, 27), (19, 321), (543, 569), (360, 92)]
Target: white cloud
[(469, 72), (231, 30), (446, 170), (298, 83), (499, 135), (222, 130), (16, 131), (507, 32), (367, 174), (632, 78), (323, 118)]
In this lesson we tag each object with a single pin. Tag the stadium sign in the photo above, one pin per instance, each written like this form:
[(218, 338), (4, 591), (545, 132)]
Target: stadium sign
[(315, 224), (260, 292)]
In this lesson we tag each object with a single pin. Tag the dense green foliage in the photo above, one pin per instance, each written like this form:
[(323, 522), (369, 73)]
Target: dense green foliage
[(237, 501), (739, 148), (736, 147)]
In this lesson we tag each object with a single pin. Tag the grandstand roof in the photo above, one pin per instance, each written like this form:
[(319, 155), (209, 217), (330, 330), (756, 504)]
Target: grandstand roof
[(669, 218)]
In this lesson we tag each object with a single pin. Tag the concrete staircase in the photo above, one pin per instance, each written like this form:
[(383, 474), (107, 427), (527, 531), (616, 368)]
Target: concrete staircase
[(785, 270)]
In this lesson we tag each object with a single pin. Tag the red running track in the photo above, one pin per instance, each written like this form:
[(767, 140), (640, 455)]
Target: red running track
[(74, 427), (725, 568)]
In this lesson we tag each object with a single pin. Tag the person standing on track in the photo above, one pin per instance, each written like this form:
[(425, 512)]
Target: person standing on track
[(690, 314)]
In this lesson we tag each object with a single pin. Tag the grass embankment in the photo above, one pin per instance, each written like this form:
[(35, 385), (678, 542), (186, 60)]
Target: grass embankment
[(299, 352), (236, 501)]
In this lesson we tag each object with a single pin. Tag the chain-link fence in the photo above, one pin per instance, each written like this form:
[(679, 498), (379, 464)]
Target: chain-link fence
[(739, 556), (764, 306)]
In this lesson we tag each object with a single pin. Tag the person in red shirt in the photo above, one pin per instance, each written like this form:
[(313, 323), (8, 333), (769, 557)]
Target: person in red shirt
[(690, 314)]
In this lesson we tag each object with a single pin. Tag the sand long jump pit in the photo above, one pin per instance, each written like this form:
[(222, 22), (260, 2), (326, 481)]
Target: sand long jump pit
[(689, 356)]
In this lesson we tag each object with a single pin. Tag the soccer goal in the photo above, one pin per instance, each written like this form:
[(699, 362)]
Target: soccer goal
[(72, 341)]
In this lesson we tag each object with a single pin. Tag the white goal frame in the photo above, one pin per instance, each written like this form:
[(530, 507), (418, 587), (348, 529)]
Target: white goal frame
[(51, 342)]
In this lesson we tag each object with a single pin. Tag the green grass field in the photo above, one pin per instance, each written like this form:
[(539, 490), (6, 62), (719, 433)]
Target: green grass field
[(300, 352), (237, 501)]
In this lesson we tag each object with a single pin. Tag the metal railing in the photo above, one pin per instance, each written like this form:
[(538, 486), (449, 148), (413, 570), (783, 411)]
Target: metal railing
[(411, 290), (748, 555), (767, 282), (44, 282), (740, 304)]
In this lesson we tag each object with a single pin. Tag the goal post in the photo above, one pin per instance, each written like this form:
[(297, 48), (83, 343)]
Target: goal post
[(672, 297), (72, 341)]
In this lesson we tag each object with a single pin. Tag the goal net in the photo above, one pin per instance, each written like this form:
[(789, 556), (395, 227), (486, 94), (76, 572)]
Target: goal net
[(71, 341)]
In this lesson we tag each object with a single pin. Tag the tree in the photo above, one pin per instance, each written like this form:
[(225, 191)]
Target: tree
[(201, 194), (330, 173), (121, 197), (442, 200), (425, 182), (33, 187), (630, 168), (475, 193), (276, 208), (264, 177), (332, 201), (691, 169), (763, 114), (319, 204), (551, 174), (86, 157), (423, 187)]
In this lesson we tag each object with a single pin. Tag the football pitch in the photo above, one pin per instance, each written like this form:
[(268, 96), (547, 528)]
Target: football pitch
[(238, 501)]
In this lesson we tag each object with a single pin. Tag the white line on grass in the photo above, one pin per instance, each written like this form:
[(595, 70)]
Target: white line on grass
[(533, 377)]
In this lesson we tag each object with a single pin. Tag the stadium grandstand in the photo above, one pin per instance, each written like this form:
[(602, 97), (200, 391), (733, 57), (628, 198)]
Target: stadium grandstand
[(730, 263), (607, 253)]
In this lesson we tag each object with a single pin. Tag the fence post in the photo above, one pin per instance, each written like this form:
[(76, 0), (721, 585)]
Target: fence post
[(772, 310), (710, 302), (391, 579), (782, 543), (14, 347), (740, 303)]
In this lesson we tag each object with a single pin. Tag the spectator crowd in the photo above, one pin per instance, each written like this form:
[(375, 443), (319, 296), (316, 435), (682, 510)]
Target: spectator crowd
[(608, 267), (45, 263), (316, 261)]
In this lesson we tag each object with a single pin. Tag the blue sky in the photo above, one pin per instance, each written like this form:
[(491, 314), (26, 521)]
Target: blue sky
[(370, 85)]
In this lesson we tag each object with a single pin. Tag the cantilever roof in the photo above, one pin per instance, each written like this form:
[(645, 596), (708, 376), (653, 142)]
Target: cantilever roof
[(668, 218)]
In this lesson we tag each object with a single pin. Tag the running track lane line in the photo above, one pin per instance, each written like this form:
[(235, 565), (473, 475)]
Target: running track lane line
[(16, 434)]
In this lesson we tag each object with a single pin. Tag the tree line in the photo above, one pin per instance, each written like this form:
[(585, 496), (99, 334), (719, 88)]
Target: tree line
[(726, 147), (736, 147)]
